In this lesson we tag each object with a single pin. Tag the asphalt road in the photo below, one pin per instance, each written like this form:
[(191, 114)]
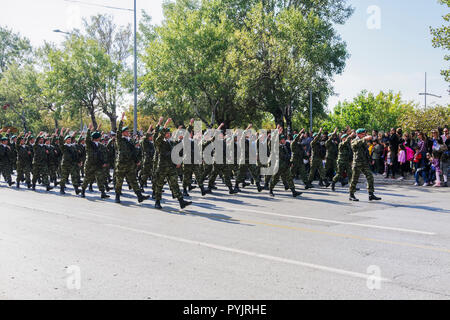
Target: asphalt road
[(246, 246)]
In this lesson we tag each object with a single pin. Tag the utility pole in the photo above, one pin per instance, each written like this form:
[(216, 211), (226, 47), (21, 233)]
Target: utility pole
[(310, 111), (135, 72), (426, 93)]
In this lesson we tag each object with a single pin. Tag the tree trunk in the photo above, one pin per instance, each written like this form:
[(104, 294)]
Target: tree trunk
[(113, 121), (278, 116), (93, 119)]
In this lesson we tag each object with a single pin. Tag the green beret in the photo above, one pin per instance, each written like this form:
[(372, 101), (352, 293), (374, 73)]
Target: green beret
[(344, 135), (330, 134), (31, 137), (360, 131), (295, 136), (96, 135), (315, 134), (67, 137), (124, 129), (13, 137), (282, 137), (4, 139)]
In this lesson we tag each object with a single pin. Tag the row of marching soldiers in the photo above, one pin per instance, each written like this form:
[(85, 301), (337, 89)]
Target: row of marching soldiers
[(138, 160)]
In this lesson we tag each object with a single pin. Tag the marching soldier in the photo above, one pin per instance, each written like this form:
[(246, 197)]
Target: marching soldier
[(297, 157), (6, 158), (166, 169), (316, 161), (331, 156), (283, 169), (70, 163), (24, 159), (361, 165), (126, 161), (344, 162), (95, 162), (40, 163), (148, 150)]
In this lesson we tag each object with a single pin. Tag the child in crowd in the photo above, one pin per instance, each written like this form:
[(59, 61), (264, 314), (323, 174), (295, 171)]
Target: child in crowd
[(402, 161)]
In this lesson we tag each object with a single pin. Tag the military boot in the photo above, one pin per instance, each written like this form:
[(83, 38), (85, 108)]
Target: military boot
[(117, 198), (33, 187), (327, 184), (18, 185), (295, 194), (353, 198), (286, 186), (309, 186), (184, 204), (258, 186), (231, 190), (209, 190), (158, 204), (373, 197), (266, 186), (271, 193), (104, 195), (202, 189), (61, 190), (83, 191), (49, 188), (236, 188), (191, 187), (333, 186), (28, 185), (91, 189), (141, 197), (77, 190), (185, 193)]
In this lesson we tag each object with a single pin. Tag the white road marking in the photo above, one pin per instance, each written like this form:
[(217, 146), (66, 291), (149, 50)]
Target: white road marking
[(336, 222), (254, 254)]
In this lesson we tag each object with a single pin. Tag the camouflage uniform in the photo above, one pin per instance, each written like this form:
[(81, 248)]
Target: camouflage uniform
[(165, 169), (126, 160), (283, 169), (331, 156), (24, 159), (148, 149), (344, 162), (40, 164), (6, 159), (297, 157), (93, 166), (361, 165), (69, 164), (316, 160)]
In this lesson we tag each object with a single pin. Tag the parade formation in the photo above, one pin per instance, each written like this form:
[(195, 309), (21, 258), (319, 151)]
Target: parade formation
[(45, 159)]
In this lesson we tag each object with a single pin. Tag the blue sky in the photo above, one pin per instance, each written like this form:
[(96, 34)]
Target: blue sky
[(395, 56)]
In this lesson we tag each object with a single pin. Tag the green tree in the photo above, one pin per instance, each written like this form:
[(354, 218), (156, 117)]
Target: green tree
[(380, 112), (426, 119), (441, 39), (14, 49), (79, 73)]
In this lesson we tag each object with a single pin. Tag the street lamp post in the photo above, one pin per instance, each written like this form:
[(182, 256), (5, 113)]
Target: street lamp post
[(135, 72), (426, 93)]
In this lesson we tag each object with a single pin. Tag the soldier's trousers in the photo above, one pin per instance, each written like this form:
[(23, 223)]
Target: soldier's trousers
[(285, 174), (298, 168), (316, 164), (147, 170), (23, 173), (357, 170), (40, 170), (52, 170), (341, 168), (223, 169), (330, 168), (188, 170), (128, 171), (5, 170), (74, 171), (93, 173), (169, 173), (242, 173)]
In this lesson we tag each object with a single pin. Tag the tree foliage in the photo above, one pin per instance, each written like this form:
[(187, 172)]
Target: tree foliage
[(426, 119), (380, 112), (441, 39)]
